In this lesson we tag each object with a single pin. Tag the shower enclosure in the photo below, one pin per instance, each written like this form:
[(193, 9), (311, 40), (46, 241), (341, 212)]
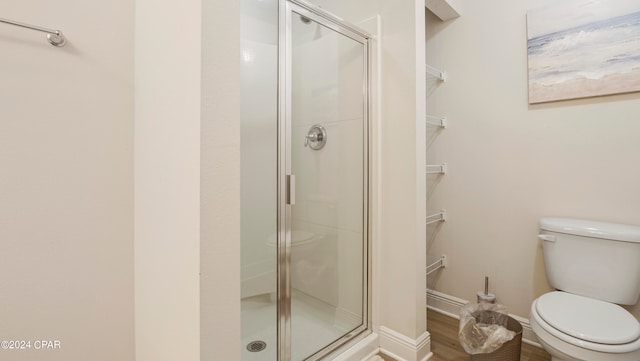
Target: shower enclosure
[(305, 185)]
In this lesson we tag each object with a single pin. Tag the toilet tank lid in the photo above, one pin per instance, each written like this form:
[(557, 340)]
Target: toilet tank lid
[(582, 227)]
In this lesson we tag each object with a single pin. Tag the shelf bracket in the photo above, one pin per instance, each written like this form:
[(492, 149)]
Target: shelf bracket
[(440, 263), (437, 121), (436, 168), (438, 217), (440, 74)]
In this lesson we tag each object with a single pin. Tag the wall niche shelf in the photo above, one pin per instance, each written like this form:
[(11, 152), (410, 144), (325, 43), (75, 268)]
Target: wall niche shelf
[(437, 169), (445, 10)]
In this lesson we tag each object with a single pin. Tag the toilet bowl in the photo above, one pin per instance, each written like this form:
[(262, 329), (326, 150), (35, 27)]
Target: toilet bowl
[(594, 266), (576, 328)]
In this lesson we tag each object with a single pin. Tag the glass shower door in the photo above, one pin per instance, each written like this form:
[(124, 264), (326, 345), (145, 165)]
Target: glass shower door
[(259, 176), (327, 223)]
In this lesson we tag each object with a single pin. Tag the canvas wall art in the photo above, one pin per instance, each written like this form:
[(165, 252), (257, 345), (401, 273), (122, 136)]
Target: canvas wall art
[(583, 48)]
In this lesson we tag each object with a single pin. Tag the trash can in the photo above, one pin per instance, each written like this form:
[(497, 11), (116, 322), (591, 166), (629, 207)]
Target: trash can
[(510, 350), (487, 333)]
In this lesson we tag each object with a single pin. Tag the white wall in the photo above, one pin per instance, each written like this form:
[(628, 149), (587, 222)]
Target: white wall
[(511, 163), (167, 180), (402, 205), (220, 183), (67, 189), (66, 201)]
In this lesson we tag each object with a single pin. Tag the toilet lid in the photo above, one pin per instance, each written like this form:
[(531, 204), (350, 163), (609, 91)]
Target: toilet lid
[(588, 319)]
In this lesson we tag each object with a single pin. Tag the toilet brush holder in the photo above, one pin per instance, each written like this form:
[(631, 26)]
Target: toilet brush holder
[(485, 297)]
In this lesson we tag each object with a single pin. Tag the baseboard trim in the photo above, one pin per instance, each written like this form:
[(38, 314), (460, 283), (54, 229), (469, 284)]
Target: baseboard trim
[(403, 348), (450, 306), (445, 304)]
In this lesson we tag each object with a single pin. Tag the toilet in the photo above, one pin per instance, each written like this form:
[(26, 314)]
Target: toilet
[(594, 267)]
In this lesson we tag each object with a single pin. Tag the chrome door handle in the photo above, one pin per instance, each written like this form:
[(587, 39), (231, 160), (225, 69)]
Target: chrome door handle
[(291, 189)]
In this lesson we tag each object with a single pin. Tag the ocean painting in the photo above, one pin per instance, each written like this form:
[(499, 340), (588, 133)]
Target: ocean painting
[(579, 49)]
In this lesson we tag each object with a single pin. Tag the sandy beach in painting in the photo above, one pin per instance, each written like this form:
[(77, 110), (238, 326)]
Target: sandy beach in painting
[(584, 88), (597, 58)]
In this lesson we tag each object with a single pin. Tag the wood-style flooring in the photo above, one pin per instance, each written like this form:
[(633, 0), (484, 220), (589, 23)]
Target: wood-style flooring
[(445, 346)]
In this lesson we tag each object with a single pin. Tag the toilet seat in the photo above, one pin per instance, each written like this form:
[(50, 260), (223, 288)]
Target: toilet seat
[(588, 319), (570, 309)]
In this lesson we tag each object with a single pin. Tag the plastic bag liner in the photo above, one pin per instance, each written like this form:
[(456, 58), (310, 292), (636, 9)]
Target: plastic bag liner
[(483, 328)]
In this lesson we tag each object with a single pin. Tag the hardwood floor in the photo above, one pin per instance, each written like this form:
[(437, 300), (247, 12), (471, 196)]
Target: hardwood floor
[(386, 358), (445, 345)]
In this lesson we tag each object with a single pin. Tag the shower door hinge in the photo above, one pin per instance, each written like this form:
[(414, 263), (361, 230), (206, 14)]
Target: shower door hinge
[(291, 189)]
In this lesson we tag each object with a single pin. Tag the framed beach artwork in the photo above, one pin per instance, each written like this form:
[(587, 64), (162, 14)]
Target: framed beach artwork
[(583, 48)]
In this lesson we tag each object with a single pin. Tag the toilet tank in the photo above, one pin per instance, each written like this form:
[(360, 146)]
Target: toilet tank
[(593, 259)]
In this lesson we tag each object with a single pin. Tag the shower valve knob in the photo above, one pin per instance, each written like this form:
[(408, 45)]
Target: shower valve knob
[(311, 138), (316, 137)]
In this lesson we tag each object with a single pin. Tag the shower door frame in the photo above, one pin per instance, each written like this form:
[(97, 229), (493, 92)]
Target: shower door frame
[(286, 181)]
